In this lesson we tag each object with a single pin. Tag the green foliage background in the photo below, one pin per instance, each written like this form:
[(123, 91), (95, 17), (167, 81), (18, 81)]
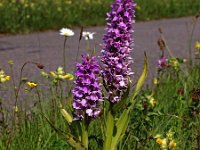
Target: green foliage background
[(34, 15)]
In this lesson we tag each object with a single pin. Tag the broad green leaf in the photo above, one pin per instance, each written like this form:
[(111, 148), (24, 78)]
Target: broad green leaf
[(109, 132), (73, 141), (121, 126), (141, 79)]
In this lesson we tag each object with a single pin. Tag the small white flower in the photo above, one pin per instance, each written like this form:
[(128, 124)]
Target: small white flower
[(66, 32), (88, 35)]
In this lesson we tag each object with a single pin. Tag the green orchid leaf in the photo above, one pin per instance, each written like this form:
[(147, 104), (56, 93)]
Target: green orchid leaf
[(121, 126), (73, 141), (109, 132), (141, 79)]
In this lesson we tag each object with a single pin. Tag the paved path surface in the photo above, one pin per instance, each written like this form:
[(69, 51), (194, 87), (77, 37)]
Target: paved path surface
[(46, 47)]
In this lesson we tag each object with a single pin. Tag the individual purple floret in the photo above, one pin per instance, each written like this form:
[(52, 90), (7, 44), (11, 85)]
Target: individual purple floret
[(87, 91), (162, 63), (117, 46)]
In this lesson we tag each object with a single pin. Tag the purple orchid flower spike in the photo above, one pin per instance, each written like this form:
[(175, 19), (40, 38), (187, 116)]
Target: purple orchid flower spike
[(87, 91), (117, 46)]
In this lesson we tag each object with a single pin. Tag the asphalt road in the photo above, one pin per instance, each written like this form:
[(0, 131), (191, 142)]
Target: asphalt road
[(46, 47)]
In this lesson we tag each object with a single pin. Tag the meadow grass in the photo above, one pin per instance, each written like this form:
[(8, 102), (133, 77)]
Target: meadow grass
[(28, 15), (174, 109)]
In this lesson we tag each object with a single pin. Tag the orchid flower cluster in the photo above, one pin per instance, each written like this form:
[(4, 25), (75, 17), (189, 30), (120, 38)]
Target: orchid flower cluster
[(117, 47), (116, 60), (87, 90), (89, 100)]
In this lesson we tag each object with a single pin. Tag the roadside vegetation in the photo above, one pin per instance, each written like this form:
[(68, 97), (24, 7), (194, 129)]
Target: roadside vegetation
[(35, 15)]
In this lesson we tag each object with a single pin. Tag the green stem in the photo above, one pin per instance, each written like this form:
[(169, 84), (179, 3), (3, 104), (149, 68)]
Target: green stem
[(190, 44), (17, 90), (61, 93), (88, 46), (84, 137), (39, 99), (167, 47), (2, 121), (20, 83), (64, 55), (109, 132)]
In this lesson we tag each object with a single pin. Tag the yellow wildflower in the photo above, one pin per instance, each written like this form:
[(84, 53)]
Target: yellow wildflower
[(60, 71), (174, 63), (155, 81), (7, 78), (159, 141), (59, 74), (153, 102), (69, 76), (172, 144), (44, 74), (53, 74), (61, 77), (162, 142), (32, 84), (2, 80), (170, 134), (197, 45), (166, 143), (10, 62), (3, 77), (16, 109)]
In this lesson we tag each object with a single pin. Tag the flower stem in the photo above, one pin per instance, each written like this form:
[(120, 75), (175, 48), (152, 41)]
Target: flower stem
[(64, 54), (20, 83), (39, 99), (190, 44), (84, 137)]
